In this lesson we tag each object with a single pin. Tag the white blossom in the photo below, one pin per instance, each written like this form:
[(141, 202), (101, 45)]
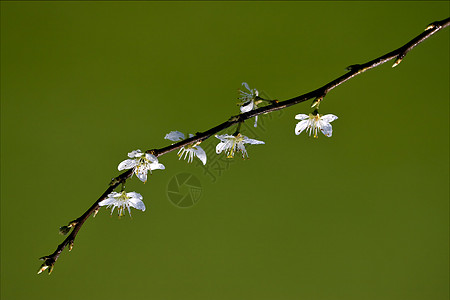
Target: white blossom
[(314, 123), (123, 200), (230, 144), (249, 101), (190, 150), (141, 163)]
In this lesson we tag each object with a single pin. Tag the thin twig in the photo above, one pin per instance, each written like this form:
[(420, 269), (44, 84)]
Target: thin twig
[(318, 94)]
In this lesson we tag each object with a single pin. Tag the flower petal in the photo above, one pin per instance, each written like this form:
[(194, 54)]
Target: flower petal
[(151, 157), (246, 86), (301, 117), (137, 203), (247, 107), (220, 147), (174, 136), (224, 137), (141, 173), (328, 118), (135, 153), (156, 166), (127, 164), (301, 126), (327, 129), (107, 201), (252, 141), (134, 195), (201, 154)]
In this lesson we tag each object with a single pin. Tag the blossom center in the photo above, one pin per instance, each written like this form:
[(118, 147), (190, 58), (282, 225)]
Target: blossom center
[(314, 124), (236, 140)]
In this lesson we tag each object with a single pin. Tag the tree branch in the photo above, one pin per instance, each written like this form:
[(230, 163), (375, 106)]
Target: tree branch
[(318, 94)]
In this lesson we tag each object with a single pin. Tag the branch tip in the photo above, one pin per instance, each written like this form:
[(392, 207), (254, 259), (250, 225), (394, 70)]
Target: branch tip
[(234, 119)]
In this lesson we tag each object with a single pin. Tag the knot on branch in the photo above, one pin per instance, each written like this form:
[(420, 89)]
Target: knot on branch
[(235, 119), (122, 178), (116, 181)]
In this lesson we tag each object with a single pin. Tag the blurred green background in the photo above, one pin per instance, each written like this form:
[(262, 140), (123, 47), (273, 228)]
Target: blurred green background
[(361, 215)]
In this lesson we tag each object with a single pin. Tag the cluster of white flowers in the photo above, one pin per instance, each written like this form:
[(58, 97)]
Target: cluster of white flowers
[(141, 163)]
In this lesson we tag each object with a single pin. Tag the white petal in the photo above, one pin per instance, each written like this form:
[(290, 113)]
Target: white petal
[(329, 118), (251, 141), (134, 195), (107, 201), (155, 166), (200, 154), (225, 137), (246, 85), (190, 135), (137, 203), (301, 126), (135, 153), (327, 129), (301, 117), (174, 136), (141, 173), (247, 107), (256, 121), (114, 195), (151, 157), (220, 147), (222, 137), (127, 164)]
